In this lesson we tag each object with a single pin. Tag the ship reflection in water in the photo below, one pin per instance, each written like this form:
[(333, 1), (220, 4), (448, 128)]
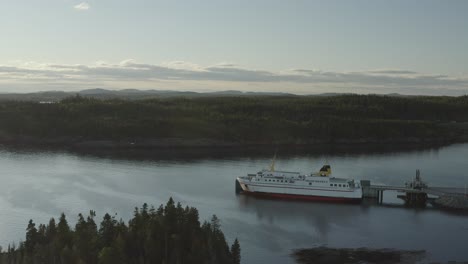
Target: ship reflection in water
[(318, 217), (277, 227), (283, 225)]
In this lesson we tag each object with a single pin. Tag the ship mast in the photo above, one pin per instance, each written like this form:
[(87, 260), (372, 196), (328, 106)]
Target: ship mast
[(272, 165)]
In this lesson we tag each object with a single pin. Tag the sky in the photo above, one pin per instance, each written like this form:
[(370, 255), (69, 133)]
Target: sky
[(296, 46)]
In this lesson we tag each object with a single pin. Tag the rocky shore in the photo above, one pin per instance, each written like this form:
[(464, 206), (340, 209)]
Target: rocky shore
[(458, 202)]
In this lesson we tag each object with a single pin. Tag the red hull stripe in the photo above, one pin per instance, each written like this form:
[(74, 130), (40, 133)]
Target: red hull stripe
[(305, 197)]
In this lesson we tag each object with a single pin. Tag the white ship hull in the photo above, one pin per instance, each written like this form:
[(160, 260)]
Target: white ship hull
[(291, 185)]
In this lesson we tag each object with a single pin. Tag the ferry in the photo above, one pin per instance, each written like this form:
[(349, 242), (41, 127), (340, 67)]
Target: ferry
[(319, 186)]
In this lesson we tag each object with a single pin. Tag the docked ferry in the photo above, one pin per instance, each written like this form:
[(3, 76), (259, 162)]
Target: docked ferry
[(319, 186)]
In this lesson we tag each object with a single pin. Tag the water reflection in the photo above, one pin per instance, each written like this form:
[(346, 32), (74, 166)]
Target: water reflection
[(320, 216), (190, 154), (41, 185), (294, 224)]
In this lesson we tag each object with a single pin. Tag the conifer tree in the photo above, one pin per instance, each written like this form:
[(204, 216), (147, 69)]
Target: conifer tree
[(171, 234), (235, 252), (31, 237)]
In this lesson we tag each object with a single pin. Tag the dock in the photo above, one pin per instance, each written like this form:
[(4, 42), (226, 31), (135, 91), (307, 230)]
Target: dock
[(416, 192)]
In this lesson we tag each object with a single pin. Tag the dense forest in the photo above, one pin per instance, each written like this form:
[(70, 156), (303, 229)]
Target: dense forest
[(239, 120), (168, 234)]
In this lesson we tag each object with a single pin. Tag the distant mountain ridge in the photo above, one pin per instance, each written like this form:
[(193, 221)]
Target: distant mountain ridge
[(131, 94), (135, 94)]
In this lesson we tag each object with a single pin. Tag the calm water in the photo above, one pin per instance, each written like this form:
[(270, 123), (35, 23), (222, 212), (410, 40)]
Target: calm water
[(40, 185)]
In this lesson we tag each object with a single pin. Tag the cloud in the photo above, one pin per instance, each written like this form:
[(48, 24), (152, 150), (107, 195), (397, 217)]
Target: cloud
[(82, 6), (393, 72), (186, 73)]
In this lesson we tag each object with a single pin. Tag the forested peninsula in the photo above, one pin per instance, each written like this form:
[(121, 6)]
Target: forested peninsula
[(227, 121), (170, 234)]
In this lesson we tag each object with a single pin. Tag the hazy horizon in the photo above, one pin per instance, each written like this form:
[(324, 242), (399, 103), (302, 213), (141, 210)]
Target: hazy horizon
[(299, 47)]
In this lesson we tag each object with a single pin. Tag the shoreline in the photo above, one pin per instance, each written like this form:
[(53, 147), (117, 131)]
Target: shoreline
[(153, 143), (175, 148)]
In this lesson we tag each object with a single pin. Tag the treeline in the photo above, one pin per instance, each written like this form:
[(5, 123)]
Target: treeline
[(261, 119), (168, 234)]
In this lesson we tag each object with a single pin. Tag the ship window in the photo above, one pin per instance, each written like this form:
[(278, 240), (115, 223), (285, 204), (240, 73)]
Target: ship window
[(339, 185), (310, 183), (335, 185), (331, 184)]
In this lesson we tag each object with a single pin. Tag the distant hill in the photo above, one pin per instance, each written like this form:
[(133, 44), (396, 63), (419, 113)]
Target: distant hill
[(130, 94), (135, 94), (49, 96), (96, 91)]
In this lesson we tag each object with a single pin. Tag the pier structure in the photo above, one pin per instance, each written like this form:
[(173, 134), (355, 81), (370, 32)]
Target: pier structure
[(411, 196), (415, 193)]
